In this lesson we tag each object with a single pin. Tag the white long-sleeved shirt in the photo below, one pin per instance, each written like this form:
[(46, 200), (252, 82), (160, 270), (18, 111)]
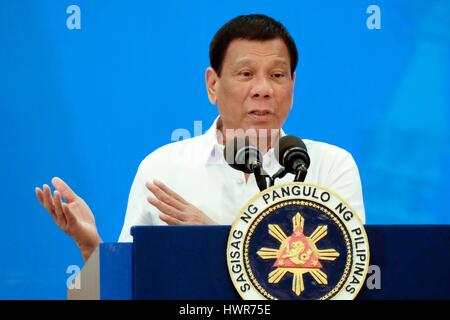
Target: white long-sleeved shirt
[(196, 169)]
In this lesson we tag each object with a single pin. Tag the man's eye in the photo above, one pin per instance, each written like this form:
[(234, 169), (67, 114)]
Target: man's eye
[(278, 75), (245, 73)]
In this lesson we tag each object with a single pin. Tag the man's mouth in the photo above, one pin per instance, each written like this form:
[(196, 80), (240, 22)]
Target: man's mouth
[(260, 115)]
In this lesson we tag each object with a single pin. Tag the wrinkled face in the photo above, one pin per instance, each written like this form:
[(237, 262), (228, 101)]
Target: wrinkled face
[(255, 88)]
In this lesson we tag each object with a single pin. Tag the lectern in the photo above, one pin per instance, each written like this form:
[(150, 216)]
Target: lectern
[(170, 262)]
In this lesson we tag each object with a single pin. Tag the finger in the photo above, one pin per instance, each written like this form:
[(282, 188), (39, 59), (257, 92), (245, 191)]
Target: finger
[(64, 189), (70, 218), (62, 222), (169, 191), (164, 197), (166, 209), (48, 200), (39, 195), (170, 220)]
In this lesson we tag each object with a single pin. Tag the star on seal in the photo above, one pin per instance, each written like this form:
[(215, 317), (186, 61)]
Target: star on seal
[(298, 254)]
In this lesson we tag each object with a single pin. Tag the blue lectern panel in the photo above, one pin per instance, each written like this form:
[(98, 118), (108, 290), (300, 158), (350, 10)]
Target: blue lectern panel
[(190, 262), (115, 271), (181, 263), (414, 261)]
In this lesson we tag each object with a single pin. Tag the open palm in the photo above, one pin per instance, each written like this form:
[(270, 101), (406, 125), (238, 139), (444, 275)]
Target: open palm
[(74, 217)]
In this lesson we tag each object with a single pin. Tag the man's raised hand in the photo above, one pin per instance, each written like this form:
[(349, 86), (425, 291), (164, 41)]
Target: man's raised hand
[(74, 217)]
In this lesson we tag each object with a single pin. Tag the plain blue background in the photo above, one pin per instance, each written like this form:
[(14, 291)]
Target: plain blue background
[(88, 105)]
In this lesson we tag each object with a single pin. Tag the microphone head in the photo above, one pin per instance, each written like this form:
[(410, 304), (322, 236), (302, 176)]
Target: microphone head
[(290, 148), (241, 155)]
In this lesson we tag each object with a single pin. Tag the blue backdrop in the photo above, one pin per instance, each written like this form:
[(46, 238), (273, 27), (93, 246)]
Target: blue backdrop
[(89, 104)]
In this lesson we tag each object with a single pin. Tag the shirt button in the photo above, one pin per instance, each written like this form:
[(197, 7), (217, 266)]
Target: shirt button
[(240, 181)]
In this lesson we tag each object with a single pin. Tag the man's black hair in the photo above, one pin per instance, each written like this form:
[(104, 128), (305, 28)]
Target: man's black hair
[(257, 27)]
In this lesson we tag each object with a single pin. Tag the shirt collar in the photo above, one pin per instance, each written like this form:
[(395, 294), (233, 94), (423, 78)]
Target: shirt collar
[(214, 150), (211, 146)]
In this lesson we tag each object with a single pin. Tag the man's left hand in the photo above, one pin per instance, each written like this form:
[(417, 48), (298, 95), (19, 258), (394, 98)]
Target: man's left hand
[(174, 209)]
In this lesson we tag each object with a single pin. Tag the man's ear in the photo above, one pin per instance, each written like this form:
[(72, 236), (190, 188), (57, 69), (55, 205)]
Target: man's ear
[(211, 78), (294, 75)]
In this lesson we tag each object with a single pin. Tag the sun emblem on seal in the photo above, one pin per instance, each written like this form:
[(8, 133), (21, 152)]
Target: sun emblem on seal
[(298, 254)]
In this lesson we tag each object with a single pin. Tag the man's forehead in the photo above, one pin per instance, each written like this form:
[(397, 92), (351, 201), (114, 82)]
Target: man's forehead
[(242, 51)]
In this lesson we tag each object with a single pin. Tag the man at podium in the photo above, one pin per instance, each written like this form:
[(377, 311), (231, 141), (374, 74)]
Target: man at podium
[(251, 81)]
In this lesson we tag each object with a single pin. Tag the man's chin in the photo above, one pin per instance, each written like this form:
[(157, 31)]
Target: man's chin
[(253, 129), (261, 130), (261, 125)]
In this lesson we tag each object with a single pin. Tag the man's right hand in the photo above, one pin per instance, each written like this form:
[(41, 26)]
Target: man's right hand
[(75, 218)]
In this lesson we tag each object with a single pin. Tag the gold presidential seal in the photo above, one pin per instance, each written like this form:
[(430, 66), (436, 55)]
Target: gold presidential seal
[(297, 241)]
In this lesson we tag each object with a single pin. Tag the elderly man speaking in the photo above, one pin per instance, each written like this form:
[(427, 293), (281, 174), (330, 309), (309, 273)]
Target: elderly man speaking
[(251, 81)]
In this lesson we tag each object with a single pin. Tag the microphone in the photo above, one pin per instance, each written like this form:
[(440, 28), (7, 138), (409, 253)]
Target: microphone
[(292, 154), (241, 155)]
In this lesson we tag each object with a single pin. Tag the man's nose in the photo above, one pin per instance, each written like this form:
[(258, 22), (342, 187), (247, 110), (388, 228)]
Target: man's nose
[(262, 88)]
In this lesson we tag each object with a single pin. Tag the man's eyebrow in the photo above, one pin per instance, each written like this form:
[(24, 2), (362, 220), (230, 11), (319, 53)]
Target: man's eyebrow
[(243, 62), (274, 62), (281, 62)]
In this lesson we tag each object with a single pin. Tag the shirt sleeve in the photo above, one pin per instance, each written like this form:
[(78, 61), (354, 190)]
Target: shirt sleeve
[(138, 209), (344, 179)]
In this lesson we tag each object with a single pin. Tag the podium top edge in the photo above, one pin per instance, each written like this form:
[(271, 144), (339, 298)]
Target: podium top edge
[(208, 227), (406, 227)]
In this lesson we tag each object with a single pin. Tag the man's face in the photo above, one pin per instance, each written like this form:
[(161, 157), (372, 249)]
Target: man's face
[(255, 88)]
